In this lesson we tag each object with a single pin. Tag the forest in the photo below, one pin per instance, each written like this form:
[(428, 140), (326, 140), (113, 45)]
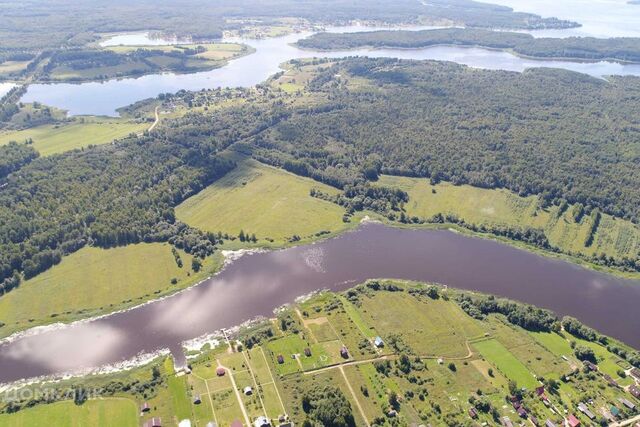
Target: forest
[(565, 136), (46, 24), (625, 49)]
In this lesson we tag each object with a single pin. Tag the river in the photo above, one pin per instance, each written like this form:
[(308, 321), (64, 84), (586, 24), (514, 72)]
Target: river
[(257, 283), (104, 98)]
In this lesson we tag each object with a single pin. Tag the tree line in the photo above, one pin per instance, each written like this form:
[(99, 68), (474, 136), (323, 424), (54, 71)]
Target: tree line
[(583, 48)]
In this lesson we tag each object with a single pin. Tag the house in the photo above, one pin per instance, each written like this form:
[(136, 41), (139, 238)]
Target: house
[(196, 399), (610, 380), (220, 372), (583, 408), (506, 422), (540, 390), (615, 411), (236, 423), (184, 423), (261, 422), (392, 413), (344, 352), (212, 424), (153, 422), (626, 403), (573, 421), (590, 365), (534, 420), (307, 352), (635, 391), (522, 412), (635, 373), (378, 342), (248, 391), (549, 423), (145, 407), (473, 413), (280, 359)]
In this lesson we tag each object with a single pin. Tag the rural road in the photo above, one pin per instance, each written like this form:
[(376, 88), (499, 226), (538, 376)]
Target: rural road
[(155, 122)]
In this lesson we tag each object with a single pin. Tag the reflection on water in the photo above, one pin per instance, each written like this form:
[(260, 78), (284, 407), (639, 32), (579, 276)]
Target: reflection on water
[(256, 284), (5, 87), (103, 98), (143, 39), (599, 18)]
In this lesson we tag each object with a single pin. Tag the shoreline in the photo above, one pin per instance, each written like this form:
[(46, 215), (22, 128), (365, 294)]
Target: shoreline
[(232, 255)]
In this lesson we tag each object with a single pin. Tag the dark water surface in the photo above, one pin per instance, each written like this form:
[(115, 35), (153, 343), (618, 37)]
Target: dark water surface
[(257, 283)]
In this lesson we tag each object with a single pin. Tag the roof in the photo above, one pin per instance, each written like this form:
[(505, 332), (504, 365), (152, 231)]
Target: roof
[(635, 390), (573, 421), (583, 408), (549, 423), (236, 423), (378, 341), (260, 422), (212, 424), (626, 403), (615, 411), (220, 371), (635, 372), (507, 422)]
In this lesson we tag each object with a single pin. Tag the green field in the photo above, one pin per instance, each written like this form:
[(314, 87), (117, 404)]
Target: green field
[(93, 281), (260, 199), (615, 237), (506, 362), (53, 139), (101, 412)]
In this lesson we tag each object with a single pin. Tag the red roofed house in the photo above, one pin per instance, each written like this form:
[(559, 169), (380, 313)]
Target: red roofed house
[(220, 372), (573, 421)]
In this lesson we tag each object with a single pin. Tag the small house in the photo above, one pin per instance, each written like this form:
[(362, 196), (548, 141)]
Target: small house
[(540, 390), (583, 408), (248, 391), (573, 421), (153, 422), (534, 420), (307, 352), (236, 423), (549, 423), (615, 411), (440, 361), (280, 359), (261, 422), (635, 391), (212, 424), (344, 352), (220, 372), (626, 403), (610, 380), (635, 373), (145, 407), (506, 422), (184, 423), (473, 413), (378, 342), (196, 399), (522, 412), (590, 365), (392, 413)]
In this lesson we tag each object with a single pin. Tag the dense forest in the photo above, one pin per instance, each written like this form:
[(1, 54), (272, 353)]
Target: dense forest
[(584, 48), (563, 135), (38, 24)]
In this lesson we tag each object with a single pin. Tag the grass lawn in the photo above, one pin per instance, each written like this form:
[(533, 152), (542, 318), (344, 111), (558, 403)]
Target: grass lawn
[(53, 139), (100, 412), (615, 237), (263, 200), (429, 327), (95, 280), (501, 358)]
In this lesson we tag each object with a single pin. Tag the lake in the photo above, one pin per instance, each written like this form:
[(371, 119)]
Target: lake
[(103, 98), (5, 87), (255, 284)]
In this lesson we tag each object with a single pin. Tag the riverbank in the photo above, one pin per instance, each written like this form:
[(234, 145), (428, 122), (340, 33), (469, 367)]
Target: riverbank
[(450, 347)]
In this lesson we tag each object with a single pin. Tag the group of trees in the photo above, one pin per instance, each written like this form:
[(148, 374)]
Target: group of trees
[(13, 156), (524, 315), (584, 48), (327, 406)]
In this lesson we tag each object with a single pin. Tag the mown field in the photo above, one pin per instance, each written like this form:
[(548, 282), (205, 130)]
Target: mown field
[(101, 412), (614, 237), (436, 363), (268, 202), (93, 281), (53, 139)]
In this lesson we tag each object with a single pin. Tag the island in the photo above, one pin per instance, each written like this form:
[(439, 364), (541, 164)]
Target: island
[(624, 49)]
